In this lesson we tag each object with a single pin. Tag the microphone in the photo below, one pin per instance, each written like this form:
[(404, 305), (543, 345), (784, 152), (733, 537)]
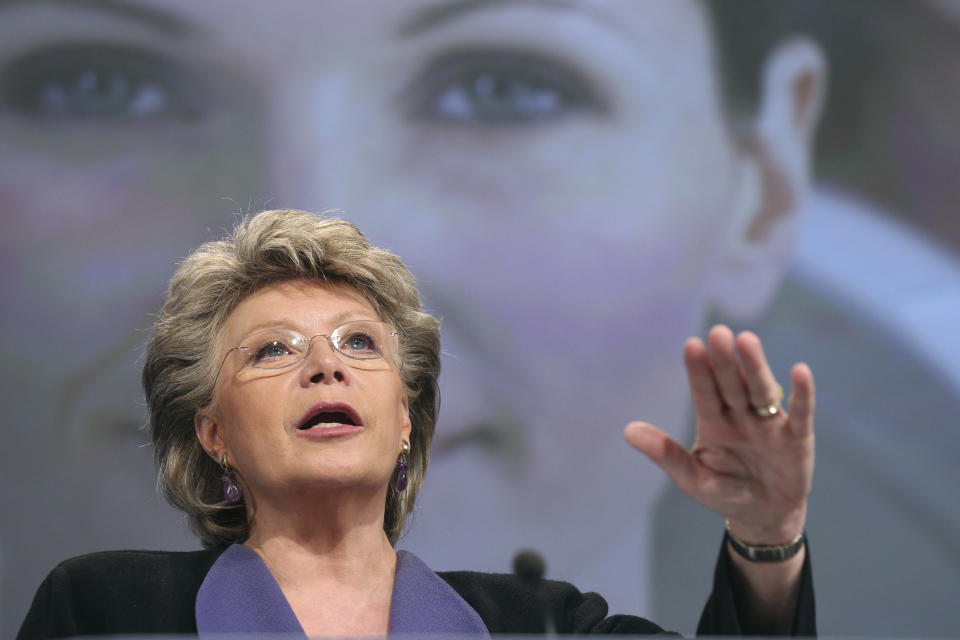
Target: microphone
[(529, 566)]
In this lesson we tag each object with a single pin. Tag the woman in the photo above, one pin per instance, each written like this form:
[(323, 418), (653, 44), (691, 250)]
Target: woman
[(291, 382)]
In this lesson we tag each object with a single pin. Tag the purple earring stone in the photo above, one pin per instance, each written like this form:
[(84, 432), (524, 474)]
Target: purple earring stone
[(232, 491), (402, 466)]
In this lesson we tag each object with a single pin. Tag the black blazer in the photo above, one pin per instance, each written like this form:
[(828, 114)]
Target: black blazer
[(154, 592)]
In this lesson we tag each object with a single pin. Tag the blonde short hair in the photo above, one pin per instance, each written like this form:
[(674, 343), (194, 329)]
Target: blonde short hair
[(180, 363)]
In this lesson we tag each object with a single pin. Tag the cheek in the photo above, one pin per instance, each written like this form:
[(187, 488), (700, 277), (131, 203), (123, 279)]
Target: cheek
[(389, 415), (618, 224), (250, 414), (95, 220)]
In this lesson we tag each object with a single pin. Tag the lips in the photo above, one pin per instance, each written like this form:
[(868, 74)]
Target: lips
[(328, 415)]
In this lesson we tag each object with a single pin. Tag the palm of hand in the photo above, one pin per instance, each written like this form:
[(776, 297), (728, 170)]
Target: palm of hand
[(743, 466), (756, 471)]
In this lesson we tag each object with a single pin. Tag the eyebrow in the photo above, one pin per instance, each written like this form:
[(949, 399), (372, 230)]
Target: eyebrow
[(158, 19), (338, 320), (437, 15)]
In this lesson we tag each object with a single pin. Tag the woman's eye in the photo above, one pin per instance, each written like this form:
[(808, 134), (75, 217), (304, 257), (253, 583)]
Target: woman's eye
[(359, 343), (273, 350), (500, 87), (94, 82)]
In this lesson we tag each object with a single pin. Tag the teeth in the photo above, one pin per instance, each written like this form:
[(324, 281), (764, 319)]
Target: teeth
[(325, 425), (325, 419)]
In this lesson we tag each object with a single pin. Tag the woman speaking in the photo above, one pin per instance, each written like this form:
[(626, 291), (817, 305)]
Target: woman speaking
[(291, 381)]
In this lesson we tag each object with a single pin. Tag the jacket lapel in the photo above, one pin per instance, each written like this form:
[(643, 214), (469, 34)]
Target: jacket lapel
[(240, 595), (423, 603)]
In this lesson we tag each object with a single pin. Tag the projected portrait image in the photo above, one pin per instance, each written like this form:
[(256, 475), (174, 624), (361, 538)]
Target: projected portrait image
[(578, 187)]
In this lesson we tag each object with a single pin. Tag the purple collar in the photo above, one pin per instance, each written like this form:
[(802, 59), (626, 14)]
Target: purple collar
[(239, 594)]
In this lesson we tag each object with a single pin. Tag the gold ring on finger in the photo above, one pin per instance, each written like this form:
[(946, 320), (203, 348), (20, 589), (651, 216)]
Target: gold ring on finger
[(767, 410), (770, 409)]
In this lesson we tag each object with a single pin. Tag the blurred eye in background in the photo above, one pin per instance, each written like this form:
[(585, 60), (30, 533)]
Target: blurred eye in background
[(500, 87), (95, 81)]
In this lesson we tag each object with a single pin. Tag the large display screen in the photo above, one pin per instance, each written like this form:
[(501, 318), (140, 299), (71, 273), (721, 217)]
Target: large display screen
[(578, 187)]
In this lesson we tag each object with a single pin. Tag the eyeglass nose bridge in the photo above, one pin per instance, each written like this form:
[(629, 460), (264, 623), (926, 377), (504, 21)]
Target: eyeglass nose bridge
[(329, 340)]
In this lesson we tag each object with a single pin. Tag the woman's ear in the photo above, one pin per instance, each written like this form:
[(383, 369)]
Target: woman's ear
[(774, 180), (208, 433), (406, 426)]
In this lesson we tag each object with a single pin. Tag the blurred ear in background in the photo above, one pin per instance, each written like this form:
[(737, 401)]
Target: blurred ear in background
[(775, 179)]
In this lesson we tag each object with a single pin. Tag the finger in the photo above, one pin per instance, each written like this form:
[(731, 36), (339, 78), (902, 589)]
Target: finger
[(703, 387), (663, 451), (761, 384), (726, 368), (802, 400)]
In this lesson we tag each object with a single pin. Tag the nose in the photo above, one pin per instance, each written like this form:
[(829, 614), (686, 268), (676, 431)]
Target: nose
[(310, 143), (323, 365)]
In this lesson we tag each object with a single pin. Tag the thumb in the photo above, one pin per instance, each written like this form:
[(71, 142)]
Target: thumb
[(664, 451)]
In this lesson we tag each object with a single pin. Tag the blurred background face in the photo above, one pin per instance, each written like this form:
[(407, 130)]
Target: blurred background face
[(131, 129), (559, 176), (541, 195)]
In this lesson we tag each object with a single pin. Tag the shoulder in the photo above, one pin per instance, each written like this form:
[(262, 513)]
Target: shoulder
[(137, 565), (119, 591), (110, 575), (509, 605)]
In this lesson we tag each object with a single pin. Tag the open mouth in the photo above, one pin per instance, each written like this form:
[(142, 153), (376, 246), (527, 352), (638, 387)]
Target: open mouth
[(330, 417)]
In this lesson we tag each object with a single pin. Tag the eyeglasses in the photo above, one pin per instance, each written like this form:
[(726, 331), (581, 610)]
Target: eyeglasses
[(362, 343)]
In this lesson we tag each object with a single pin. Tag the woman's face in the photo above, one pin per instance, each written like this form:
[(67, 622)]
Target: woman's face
[(326, 422), (468, 136), (556, 174)]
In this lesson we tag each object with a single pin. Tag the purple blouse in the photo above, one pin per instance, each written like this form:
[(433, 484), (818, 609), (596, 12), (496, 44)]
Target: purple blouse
[(239, 594)]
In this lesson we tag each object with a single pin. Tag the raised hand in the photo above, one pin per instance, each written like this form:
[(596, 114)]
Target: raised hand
[(751, 461)]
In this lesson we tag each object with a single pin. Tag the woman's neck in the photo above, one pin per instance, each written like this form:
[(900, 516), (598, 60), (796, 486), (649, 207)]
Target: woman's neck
[(323, 521), (333, 562)]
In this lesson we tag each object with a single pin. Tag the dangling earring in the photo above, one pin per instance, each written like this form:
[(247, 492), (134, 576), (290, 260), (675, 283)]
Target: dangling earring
[(232, 491), (402, 466)]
